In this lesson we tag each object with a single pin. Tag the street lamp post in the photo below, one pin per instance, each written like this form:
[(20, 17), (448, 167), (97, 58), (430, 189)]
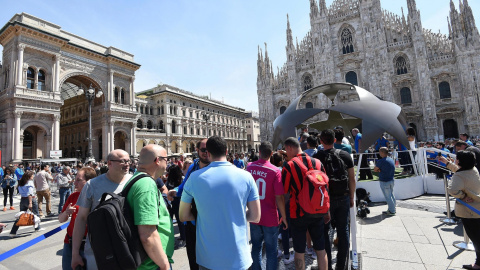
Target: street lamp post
[(90, 96), (206, 116)]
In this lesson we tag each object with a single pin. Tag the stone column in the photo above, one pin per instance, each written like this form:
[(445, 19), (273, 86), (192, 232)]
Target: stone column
[(111, 136), (110, 90), (132, 93), (18, 148), (133, 138), (11, 79), (56, 82), (10, 135), (20, 47), (56, 134), (105, 141)]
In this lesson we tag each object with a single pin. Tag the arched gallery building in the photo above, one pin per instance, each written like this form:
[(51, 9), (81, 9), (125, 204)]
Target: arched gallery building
[(42, 69)]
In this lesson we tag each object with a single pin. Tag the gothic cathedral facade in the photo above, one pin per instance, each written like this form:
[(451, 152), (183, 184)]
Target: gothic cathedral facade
[(433, 77)]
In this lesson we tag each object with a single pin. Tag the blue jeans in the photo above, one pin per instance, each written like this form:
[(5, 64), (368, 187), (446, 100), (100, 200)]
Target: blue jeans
[(387, 189), (340, 219), (64, 193), (258, 234), (67, 256)]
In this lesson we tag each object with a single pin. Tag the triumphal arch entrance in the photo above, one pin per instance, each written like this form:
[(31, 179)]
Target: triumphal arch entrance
[(43, 68)]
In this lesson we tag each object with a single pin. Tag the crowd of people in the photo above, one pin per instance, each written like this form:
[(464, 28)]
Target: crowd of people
[(207, 197)]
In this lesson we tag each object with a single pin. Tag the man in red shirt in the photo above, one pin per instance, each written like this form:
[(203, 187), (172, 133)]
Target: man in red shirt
[(292, 177), (270, 190)]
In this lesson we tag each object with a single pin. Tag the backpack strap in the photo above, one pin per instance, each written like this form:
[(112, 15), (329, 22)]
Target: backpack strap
[(133, 181)]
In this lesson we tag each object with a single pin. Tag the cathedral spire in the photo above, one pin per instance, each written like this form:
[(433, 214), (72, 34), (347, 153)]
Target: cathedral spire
[(313, 9), (403, 18), (412, 6), (289, 34), (323, 7)]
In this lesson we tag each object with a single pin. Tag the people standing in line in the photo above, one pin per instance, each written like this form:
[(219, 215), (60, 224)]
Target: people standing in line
[(43, 189), (465, 185), (150, 213), (64, 182), (270, 189), (461, 145), (27, 201), (386, 169), (238, 162), (339, 141), (292, 177), (174, 179), (113, 181), (190, 229), (8, 185), (311, 146), (70, 209), (339, 167), (466, 138), (364, 167), (19, 171), (221, 193)]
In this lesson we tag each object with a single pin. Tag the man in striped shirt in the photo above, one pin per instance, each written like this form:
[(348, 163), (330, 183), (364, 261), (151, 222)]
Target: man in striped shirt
[(293, 174)]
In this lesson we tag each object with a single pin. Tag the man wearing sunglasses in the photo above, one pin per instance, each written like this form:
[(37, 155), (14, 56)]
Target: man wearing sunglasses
[(150, 213), (190, 230), (113, 181)]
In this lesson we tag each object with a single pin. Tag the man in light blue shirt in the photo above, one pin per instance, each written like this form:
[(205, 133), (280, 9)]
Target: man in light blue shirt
[(19, 171), (221, 194)]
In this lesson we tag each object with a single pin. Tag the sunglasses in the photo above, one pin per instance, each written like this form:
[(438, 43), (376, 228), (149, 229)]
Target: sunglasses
[(203, 150)]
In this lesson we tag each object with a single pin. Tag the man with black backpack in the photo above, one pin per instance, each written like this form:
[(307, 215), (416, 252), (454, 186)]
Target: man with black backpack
[(307, 213), (339, 167), (113, 181)]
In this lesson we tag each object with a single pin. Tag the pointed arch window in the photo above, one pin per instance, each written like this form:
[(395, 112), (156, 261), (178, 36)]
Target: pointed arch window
[(139, 123), (41, 80), (351, 77), (309, 105), (282, 109), (401, 65), (405, 95), (149, 124), (347, 41), (307, 82), (444, 89), (30, 78)]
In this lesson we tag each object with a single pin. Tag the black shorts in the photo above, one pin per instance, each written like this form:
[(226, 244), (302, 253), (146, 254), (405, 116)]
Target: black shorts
[(299, 227)]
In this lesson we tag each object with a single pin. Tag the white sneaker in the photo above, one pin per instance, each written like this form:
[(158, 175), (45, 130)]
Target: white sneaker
[(289, 259), (13, 235)]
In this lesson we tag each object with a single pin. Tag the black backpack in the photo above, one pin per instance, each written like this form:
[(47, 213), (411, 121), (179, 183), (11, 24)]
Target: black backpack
[(336, 171), (112, 232)]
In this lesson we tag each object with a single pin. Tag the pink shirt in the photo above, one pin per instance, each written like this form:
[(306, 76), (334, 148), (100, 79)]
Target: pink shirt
[(269, 183)]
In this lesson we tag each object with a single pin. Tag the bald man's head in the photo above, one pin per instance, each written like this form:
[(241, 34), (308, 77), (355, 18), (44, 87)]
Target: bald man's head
[(116, 154), (149, 153)]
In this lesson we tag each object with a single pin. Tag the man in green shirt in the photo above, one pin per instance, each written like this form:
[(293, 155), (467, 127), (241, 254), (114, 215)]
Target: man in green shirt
[(150, 212)]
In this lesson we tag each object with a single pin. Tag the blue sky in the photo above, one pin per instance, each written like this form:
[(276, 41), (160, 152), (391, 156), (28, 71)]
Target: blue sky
[(204, 46)]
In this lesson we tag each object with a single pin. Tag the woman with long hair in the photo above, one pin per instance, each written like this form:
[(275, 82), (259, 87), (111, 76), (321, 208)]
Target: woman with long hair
[(8, 185), (26, 189), (465, 185), (186, 165), (174, 179)]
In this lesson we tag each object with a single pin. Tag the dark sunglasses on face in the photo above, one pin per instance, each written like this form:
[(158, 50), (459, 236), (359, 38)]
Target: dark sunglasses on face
[(203, 150)]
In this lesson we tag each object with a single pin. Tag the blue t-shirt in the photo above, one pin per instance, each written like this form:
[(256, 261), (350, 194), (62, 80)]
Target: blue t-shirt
[(239, 163), (387, 169), (469, 142), (310, 152), (357, 139), (344, 147), (381, 142), (221, 193), (19, 173), (1, 173)]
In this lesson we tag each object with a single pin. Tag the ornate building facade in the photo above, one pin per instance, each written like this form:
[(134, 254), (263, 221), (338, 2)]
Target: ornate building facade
[(42, 69), (178, 119), (253, 131), (433, 77)]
